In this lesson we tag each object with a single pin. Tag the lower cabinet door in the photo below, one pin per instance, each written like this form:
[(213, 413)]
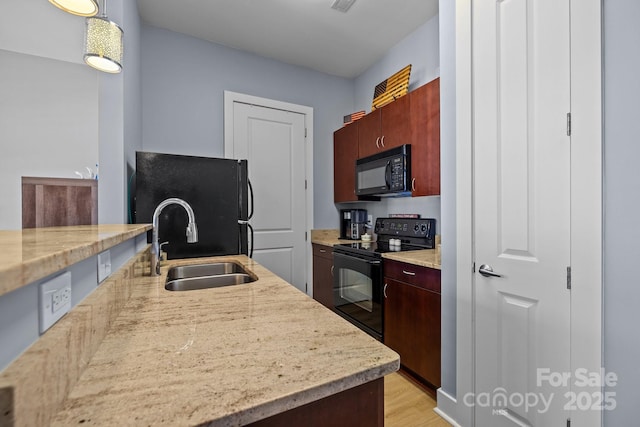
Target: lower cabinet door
[(412, 328)]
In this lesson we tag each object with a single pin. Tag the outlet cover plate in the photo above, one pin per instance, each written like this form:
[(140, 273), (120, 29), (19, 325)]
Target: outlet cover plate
[(104, 265), (55, 300)]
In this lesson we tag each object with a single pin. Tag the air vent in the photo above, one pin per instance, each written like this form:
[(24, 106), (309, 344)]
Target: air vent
[(342, 5)]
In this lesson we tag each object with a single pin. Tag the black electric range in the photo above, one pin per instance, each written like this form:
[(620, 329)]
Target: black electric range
[(413, 233), (358, 275)]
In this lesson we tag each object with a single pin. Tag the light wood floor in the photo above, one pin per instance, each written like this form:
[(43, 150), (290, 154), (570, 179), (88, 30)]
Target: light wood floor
[(407, 405)]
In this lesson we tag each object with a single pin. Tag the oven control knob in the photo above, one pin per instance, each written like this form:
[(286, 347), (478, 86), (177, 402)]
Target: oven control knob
[(416, 228), (424, 228)]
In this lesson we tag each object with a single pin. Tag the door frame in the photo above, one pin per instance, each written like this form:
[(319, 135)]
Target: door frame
[(229, 99), (586, 202)]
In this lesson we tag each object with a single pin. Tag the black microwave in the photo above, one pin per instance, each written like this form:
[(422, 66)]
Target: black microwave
[(385, 174)]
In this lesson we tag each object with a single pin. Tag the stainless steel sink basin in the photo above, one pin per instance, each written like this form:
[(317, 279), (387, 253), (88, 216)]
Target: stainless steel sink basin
[(205, 276), (206, 282), (200, 270)]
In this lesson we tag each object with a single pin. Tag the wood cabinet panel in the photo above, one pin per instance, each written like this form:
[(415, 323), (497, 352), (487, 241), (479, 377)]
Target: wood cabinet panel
[(412, 318), (323, 275), (425, 139), (422, 277), (50, 202), (384, 128), (360, 406), (411, 119), (345, 154), (369, 134)]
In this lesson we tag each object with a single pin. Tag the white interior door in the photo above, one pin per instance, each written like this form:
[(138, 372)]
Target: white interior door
[(273, 142), (521, 81)]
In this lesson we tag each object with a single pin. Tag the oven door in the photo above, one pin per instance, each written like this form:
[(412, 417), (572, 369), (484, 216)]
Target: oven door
[(357, 285)]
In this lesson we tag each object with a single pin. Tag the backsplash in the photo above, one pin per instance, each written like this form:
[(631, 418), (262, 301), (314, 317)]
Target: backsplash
[(427, 207)]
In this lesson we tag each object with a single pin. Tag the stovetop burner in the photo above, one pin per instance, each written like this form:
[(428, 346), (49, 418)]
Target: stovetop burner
[(380, 247), (414, 234)]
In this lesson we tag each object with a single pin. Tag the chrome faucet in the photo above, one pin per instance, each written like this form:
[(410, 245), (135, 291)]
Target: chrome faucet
[(192, 230)]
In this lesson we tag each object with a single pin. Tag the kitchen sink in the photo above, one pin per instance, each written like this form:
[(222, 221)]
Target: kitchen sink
[(199, 270), (206, 282), (205, 276)]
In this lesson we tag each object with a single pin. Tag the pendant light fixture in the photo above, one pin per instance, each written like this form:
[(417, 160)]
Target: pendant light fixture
[(77, 7), (103, 48)]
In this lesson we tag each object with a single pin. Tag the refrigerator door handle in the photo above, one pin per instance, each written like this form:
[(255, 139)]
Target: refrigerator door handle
[(250, 198)]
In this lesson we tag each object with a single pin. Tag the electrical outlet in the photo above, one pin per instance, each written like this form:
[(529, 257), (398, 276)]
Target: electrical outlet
[(55, 300), (104, 265)]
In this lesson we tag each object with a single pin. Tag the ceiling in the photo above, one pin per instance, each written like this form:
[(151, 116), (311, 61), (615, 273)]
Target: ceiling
[(308, 33)]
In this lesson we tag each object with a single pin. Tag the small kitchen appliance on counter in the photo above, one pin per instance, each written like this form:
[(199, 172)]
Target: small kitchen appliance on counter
[(358, 276), (353, 223)]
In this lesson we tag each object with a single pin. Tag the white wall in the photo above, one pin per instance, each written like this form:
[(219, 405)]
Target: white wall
[(120, 118), (36, 27), (184, 79), (448, 191), (49, 109), (621, 206)]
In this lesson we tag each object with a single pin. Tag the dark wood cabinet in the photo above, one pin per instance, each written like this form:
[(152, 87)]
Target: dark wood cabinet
[(412, 318), (425, 139), (384, 128), (411, 119), (52, 202), (323, 275), (345, 153)]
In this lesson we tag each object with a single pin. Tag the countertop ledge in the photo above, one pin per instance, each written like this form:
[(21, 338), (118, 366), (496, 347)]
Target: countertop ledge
[(33, 253), (221, 357)]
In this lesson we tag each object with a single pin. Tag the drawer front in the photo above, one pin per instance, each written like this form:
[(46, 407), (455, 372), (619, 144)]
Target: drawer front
[(422, 277), (322, 251)]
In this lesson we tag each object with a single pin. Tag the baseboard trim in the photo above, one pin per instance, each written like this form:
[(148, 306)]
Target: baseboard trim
[(447, 407)]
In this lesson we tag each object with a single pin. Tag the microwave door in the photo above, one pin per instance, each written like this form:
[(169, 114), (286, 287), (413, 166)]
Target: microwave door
[(374, 177)]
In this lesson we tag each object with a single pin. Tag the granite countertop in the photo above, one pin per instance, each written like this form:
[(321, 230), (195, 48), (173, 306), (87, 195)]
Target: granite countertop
[(425, 258), (328, 237), (33, 253), (225, 356)]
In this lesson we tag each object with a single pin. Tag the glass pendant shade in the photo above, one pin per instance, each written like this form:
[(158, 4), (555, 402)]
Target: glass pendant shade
[(77, 7), (103, 45)]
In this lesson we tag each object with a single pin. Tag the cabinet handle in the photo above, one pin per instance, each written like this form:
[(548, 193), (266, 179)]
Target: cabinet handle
[(413, 184), (382, 141), (322, 251), (409, 273), (384, 290), (378, 142), (332, 267)]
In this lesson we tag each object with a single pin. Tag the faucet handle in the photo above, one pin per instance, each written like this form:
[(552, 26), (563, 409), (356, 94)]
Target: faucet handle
[(160, 249)]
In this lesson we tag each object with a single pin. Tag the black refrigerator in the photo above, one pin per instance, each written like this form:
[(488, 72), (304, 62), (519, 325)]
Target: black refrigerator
[(217, 190)]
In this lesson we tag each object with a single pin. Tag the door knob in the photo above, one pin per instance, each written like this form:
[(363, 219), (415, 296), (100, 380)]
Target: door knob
[(487, 271)]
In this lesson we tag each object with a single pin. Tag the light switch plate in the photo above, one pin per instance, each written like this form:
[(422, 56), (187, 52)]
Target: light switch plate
[(55, 300), (104, 265)]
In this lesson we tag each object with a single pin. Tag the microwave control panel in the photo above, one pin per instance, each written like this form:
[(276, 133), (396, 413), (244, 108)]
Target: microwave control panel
[(397, 181)]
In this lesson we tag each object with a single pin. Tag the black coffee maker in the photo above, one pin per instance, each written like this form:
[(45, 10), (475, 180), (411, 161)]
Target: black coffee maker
[(353, 223)]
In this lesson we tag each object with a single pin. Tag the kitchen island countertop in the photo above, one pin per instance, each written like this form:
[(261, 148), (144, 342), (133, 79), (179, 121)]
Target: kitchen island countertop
[(225, 356)]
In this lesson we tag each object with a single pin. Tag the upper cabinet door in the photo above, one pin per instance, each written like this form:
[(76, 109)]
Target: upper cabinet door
[(425, 139), (369, 134), (384, 128), (394, 119), (345, 153)]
